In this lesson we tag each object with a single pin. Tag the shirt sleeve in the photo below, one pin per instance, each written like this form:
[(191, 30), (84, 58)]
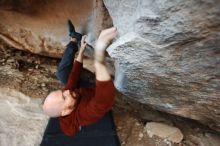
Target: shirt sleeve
[(74, 76), (91, 111), (99, 105)]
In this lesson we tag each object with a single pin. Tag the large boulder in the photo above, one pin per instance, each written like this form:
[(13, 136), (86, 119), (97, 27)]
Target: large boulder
[(22, 121), (39, 26), (168, 55)]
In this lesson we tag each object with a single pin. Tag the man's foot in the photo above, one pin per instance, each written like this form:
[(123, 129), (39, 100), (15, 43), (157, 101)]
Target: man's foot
[(70, 26), (72, 32)]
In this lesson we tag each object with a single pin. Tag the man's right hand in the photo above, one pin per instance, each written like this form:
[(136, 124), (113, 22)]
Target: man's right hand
[(102, 43), (107, 35), (105, 38)]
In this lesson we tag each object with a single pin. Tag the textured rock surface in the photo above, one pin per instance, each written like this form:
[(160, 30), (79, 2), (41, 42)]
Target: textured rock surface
[(22, 121), (39, 26), (168, 55), (164, 131)]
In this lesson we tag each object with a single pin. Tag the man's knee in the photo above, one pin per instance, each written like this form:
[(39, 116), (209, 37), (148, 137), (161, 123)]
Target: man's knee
[(61, 77)]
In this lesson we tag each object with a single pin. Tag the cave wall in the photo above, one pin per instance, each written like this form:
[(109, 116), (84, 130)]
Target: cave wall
[(39, 26), (167, 55)]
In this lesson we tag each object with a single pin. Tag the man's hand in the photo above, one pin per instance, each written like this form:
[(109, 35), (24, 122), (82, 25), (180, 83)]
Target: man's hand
[(105, 38), (107, 35), (83, 45), (103, 41), (82, 49)]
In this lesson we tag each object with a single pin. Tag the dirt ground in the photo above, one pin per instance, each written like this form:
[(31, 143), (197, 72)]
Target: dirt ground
[(34, 76)]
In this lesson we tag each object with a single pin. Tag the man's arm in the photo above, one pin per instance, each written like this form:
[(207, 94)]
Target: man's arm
[(74, 76), (105, 90)]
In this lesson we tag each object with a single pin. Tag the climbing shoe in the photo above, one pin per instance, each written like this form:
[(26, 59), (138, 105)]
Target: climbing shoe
[(72, 32)]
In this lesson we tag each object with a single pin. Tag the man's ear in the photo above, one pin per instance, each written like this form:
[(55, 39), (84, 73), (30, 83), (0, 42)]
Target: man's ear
[(66, 112)]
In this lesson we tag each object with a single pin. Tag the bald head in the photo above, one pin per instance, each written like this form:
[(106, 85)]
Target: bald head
[(59, 103)]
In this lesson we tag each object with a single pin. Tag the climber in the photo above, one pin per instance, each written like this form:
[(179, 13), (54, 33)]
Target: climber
[(81, 113)]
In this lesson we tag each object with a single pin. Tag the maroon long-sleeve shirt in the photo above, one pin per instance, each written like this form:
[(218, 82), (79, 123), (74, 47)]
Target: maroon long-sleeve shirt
[(93, 104)]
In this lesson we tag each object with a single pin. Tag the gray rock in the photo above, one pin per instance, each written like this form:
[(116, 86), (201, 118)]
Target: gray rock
[(166, 132), (167, 55), (22, 121)]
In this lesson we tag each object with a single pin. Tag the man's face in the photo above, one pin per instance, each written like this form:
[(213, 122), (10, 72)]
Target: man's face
[(60, 103)]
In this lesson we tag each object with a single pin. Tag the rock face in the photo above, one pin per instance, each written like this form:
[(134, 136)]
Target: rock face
[(39, 26), (22, 120), (168, 55)]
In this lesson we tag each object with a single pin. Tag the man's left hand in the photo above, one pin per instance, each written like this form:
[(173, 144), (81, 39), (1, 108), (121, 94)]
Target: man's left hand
[(83, 45)]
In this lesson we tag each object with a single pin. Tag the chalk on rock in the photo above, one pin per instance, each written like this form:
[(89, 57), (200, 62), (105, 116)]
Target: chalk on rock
[(164, 131)]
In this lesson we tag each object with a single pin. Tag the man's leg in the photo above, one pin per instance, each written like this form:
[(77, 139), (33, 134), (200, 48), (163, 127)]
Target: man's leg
[(66, 62)]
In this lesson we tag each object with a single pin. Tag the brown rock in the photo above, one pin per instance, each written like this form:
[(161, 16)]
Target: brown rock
[(41, 27)]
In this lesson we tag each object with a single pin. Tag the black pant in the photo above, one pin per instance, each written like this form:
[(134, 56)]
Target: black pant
[(101, 133)]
